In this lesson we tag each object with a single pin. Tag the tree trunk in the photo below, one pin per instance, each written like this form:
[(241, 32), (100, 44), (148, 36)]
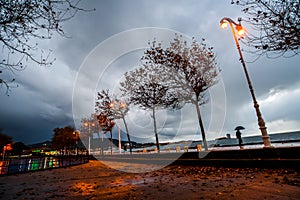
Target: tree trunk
[(111, 141), (102, 146), (155, 129), (201, 125), (128, 136)]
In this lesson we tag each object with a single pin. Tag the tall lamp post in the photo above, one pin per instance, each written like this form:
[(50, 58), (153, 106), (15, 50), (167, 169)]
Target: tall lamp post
[(120, 109), (88, 125), (102, 122), (240, 31), (76, 137), (116, 105)]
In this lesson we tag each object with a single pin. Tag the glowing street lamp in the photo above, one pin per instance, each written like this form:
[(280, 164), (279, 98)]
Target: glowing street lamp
[(239, 28), (241, 31), (88, 125)]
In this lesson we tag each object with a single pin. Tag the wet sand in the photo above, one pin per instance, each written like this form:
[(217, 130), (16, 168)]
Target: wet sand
[(94, 180)]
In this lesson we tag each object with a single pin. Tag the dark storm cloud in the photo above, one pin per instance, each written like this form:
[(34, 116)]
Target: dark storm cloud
[(43, 99), (41, 103)]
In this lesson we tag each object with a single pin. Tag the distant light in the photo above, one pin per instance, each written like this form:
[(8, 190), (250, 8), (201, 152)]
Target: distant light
[(111, 105), (123, 105)]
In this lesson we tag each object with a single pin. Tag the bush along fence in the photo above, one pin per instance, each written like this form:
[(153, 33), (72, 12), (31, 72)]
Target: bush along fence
[(20, 165)]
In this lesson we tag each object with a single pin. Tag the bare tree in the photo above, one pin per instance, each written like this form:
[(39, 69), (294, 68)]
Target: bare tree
[(103, 104), (105, 113), (276, 26), (113, 108), (191, 71), (143, 87), (106, 124), (22, 23)]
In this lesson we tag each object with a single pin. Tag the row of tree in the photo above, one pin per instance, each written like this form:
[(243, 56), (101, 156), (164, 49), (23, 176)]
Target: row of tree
[(277, 23), (167, 78)]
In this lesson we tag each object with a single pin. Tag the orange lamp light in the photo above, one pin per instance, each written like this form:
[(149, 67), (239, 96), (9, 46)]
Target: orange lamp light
[(224, 24), (240, 30)]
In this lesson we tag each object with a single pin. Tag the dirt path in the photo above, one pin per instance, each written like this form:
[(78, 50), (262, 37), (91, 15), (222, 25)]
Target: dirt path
[(95, 180)]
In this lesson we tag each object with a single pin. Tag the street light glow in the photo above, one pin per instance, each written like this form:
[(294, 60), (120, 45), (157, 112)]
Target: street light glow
[(240, 30), (224, 24), (123, 104), (88, 124), (111, 105)]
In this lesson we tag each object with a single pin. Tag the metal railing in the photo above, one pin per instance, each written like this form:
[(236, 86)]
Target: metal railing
[(33, 163)]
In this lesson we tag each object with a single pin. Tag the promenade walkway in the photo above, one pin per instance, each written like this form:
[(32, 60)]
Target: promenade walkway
[(258, 157), (94, 180)]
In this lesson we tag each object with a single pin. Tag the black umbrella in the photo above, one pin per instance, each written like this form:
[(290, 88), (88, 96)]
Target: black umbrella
[(239, 128)]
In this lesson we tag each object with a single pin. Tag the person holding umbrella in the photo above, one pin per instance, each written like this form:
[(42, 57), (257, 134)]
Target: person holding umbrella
[(239, 135)]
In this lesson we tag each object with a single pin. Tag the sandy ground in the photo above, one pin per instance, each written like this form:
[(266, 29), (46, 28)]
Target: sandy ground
[(95, 180)]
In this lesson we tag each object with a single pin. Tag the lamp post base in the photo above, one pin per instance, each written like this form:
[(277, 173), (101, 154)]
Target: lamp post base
[(267, 142)]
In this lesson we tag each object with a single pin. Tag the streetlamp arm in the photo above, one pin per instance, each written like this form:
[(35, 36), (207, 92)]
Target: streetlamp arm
[(230, 21)]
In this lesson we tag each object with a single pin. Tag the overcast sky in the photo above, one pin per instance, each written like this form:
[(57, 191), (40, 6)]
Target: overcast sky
[(105, 43)]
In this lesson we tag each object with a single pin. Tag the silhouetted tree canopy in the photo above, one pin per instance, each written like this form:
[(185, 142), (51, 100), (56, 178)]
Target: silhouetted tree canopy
[(105, 113), (110, 108), (63, 138), (18, 147), (104, 110), (22, 24), (276, 25), (103, 104)]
